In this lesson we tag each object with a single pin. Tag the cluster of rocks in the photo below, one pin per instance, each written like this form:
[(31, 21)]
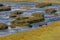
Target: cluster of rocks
[(23, 21), (3, 26), (26, 21), (47, 10)]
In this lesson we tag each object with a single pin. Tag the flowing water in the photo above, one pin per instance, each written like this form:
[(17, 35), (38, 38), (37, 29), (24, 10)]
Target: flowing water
[(4, 16)]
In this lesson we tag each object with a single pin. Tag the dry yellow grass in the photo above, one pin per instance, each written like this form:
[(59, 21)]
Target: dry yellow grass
[(46, 32), (50, 1)]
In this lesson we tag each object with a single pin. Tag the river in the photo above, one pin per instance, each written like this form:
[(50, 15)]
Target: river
[(4, 16)]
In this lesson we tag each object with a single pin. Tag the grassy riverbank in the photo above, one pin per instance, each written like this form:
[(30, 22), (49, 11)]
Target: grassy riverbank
[(50, 1), (46, 32)]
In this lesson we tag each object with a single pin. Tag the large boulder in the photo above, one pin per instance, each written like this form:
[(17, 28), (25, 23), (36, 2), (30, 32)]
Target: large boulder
[(3, 26), (36, 17)]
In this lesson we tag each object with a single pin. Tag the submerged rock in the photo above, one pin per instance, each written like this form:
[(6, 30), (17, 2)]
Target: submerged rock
[(19, 23), (41, 5), (3, 26), (26, 7), (50, 10), (5, 8)]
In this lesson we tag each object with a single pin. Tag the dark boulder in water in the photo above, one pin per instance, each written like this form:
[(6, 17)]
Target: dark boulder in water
[(50, 10), (3, 26), (30, 26), (5, 8), (1, 5)]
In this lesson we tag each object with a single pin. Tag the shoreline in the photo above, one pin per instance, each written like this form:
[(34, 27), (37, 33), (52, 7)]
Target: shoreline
[(42, 30)]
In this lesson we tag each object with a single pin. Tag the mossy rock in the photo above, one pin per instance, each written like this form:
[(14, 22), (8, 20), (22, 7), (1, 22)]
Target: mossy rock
[(50, 10), (13, 26), (35, 20), (36, 17), (38, 14), (5, 8), (55, 14), (22, 18), (3, 26), (41, 5), (15, 13), (23, 24), (19, 23)]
